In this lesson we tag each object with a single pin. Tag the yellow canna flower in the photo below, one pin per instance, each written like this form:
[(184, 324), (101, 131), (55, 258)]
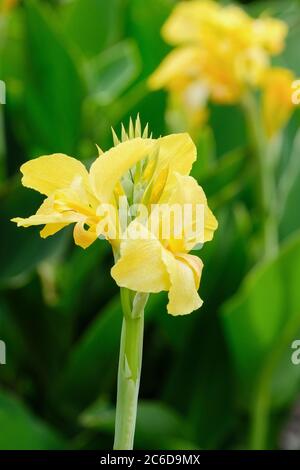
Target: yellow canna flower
[(65, 182), (152, 173), (169, 266), (151, 246), (220, 48), (277, 105)]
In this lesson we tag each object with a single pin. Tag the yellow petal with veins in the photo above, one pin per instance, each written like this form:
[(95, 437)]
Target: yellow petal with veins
[(183, 295), (55, 218), (177, 152), (108, 169), (51, 172), (195, 264), (47, 215), (51, 229), (146, 266), (194, 224), (140, 267)]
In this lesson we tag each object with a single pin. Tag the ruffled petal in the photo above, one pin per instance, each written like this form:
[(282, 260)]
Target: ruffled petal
[(177, 152), (182, 219), (51, 172), (190, 195), (188, 20), (108, 169), (47, 215), (140, 267), (146, 266), (183, 295), (177, 69), (195, 264), (45, 219), (84, 237), (51, 229)]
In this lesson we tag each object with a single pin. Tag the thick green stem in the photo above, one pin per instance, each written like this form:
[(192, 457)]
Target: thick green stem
[(260, 413), (270, 197), (130, 363), (266, 152)]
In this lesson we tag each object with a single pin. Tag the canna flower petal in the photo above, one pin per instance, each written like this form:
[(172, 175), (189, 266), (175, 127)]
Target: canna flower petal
[(188, 191), (37, 219), (51, 172), (146, 266), (196, 225), (277, 105), (108, 169), (46, 215), (51, 229), (84, 237), (183, 295), (186, 19), (195, 264), (176, 151), (66, 182), (141, 249), (178, 68)]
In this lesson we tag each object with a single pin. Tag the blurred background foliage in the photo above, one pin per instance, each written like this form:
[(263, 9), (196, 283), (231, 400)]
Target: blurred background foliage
[(210, 380)]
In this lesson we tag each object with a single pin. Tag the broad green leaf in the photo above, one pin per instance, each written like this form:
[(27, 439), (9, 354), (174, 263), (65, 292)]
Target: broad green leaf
[(74, 275), (94, 25), (279, 8), (13, 338), (53, 91), (145, 24), (21, 430), (93, 361), (2, 145), (22, 249), (289, 191), (263, 319), (224, 180), (198, 382), (111, 72), (158, 425), (229, 128)]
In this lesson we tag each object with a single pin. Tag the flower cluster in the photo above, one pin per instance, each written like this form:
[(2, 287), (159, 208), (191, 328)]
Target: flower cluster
[(220, 54), (154, 172)]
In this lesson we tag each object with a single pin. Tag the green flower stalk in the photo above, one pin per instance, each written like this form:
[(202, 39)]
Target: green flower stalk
[(130, 364), (126, 199)]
